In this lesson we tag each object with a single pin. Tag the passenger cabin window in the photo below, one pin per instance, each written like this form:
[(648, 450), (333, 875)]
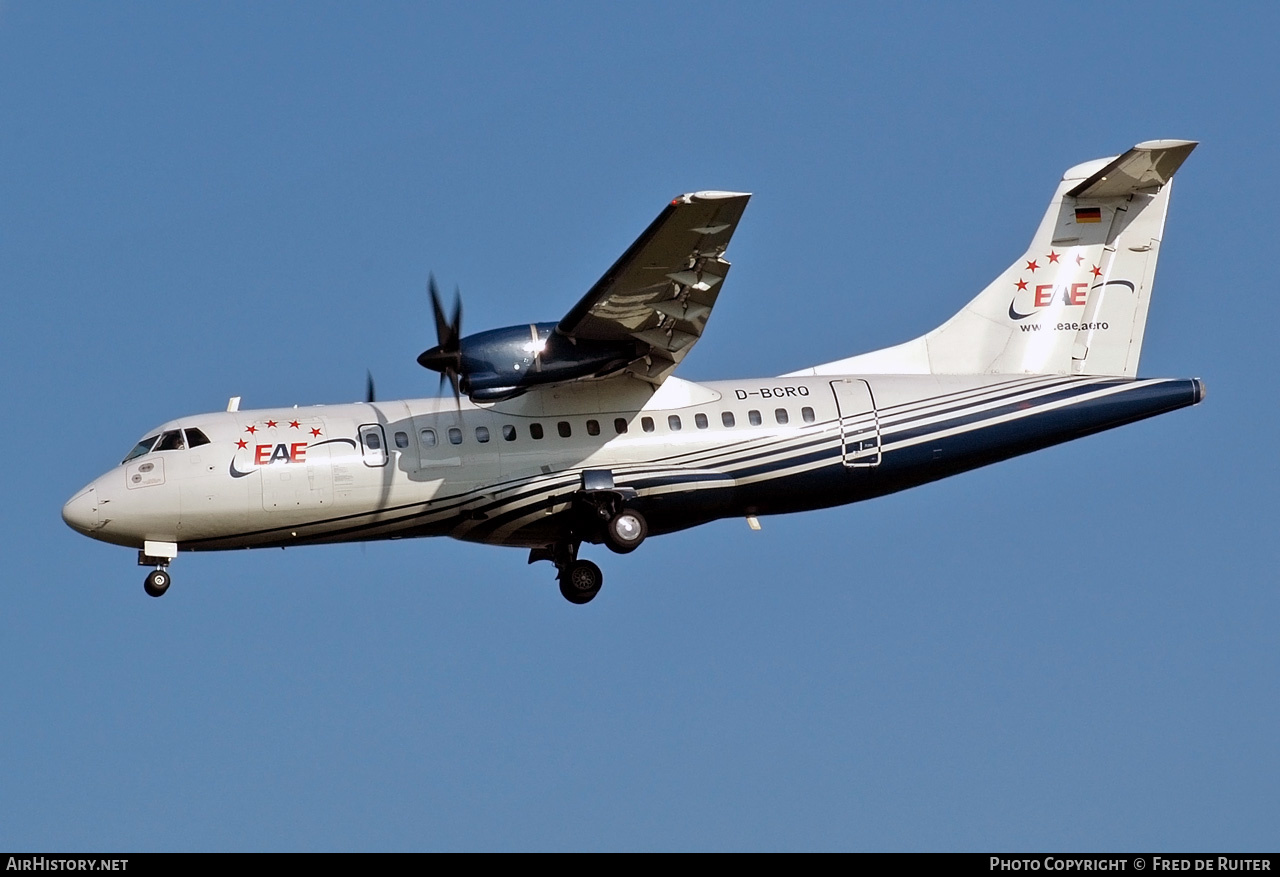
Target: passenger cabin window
[(754, 416), (620, 425), (806, 414), (593, 427), (780, 415), (726, 417), (482, 434), (171, 441), (428, 437), (402, 440), (700, 420), (564, 429), (196, 438), (674, 422), (455, 436), (535, 430), (646, 423), (140, 448), (508, 432), (372, 441)]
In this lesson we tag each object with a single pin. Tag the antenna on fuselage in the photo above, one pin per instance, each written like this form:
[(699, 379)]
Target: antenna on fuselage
[(233, 404)]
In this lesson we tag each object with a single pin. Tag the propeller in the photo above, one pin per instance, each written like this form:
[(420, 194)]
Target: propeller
[(446, 356), (369, 395)]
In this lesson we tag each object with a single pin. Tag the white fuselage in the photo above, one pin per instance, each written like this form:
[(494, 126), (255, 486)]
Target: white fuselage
[(508, 473)]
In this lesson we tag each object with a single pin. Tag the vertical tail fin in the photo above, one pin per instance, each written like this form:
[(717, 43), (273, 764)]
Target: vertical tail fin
[(1076, 302)]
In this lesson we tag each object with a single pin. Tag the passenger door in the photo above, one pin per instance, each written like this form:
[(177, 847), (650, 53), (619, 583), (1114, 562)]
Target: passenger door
[(859, 422)]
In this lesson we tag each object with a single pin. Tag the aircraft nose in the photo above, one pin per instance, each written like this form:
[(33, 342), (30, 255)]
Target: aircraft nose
[(81, 511)]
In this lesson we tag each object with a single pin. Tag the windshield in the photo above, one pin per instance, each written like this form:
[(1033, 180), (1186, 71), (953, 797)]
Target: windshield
[(141, 448), (170, 441)]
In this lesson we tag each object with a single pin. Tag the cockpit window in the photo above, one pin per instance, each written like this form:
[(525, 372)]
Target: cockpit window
[(140, 448), (171, 441), (195, 438)]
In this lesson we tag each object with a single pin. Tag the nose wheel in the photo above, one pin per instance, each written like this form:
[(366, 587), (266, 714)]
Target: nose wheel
[(156, 583)]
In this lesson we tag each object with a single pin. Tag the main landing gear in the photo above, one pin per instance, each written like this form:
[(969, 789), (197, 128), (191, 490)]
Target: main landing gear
[(600, 514), (625, 531), (580, 580)]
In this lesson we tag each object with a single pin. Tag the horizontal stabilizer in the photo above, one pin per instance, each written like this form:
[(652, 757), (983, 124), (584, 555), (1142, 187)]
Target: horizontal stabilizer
[(1148, 165)]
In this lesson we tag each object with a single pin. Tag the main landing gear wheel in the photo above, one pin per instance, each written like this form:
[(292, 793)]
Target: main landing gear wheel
[(157, 582), (580, 581), (625, 531)]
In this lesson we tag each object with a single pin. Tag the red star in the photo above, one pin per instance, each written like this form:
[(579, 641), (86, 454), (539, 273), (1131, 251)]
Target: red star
[(1096, 272), (1079, 258), (314, 432), (1022, 284), (242, 444), (250, 429), (293, 423), (1053, 257), (271, 424), (1032, 266)]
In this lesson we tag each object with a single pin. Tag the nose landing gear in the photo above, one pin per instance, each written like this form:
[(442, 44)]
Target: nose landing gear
[(157, 554)]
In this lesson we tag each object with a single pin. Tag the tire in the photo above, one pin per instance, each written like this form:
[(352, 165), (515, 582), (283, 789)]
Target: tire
[(156, 583), (625, 531), (580, 581)]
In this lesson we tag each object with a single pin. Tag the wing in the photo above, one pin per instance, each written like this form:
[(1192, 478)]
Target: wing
[(661, 291)]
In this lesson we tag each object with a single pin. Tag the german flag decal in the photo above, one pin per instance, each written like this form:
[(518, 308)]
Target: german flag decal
[(1088, 214)]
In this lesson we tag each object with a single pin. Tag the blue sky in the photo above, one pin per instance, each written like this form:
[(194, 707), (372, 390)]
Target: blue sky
[(1072, 650)]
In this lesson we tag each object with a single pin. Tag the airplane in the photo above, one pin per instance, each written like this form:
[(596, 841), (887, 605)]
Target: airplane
[(562, 433)]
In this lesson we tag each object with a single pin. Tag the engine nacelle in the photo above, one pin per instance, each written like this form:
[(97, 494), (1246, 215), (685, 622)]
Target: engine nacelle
[(501, 363)]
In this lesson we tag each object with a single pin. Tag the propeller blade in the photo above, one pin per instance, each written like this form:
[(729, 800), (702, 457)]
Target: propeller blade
[(455, 327), (446, 356), (457, 396), (369, 395), (442, 325)]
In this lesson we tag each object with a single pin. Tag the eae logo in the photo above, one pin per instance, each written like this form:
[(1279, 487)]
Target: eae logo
[(1044, 295), (265, 455)]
